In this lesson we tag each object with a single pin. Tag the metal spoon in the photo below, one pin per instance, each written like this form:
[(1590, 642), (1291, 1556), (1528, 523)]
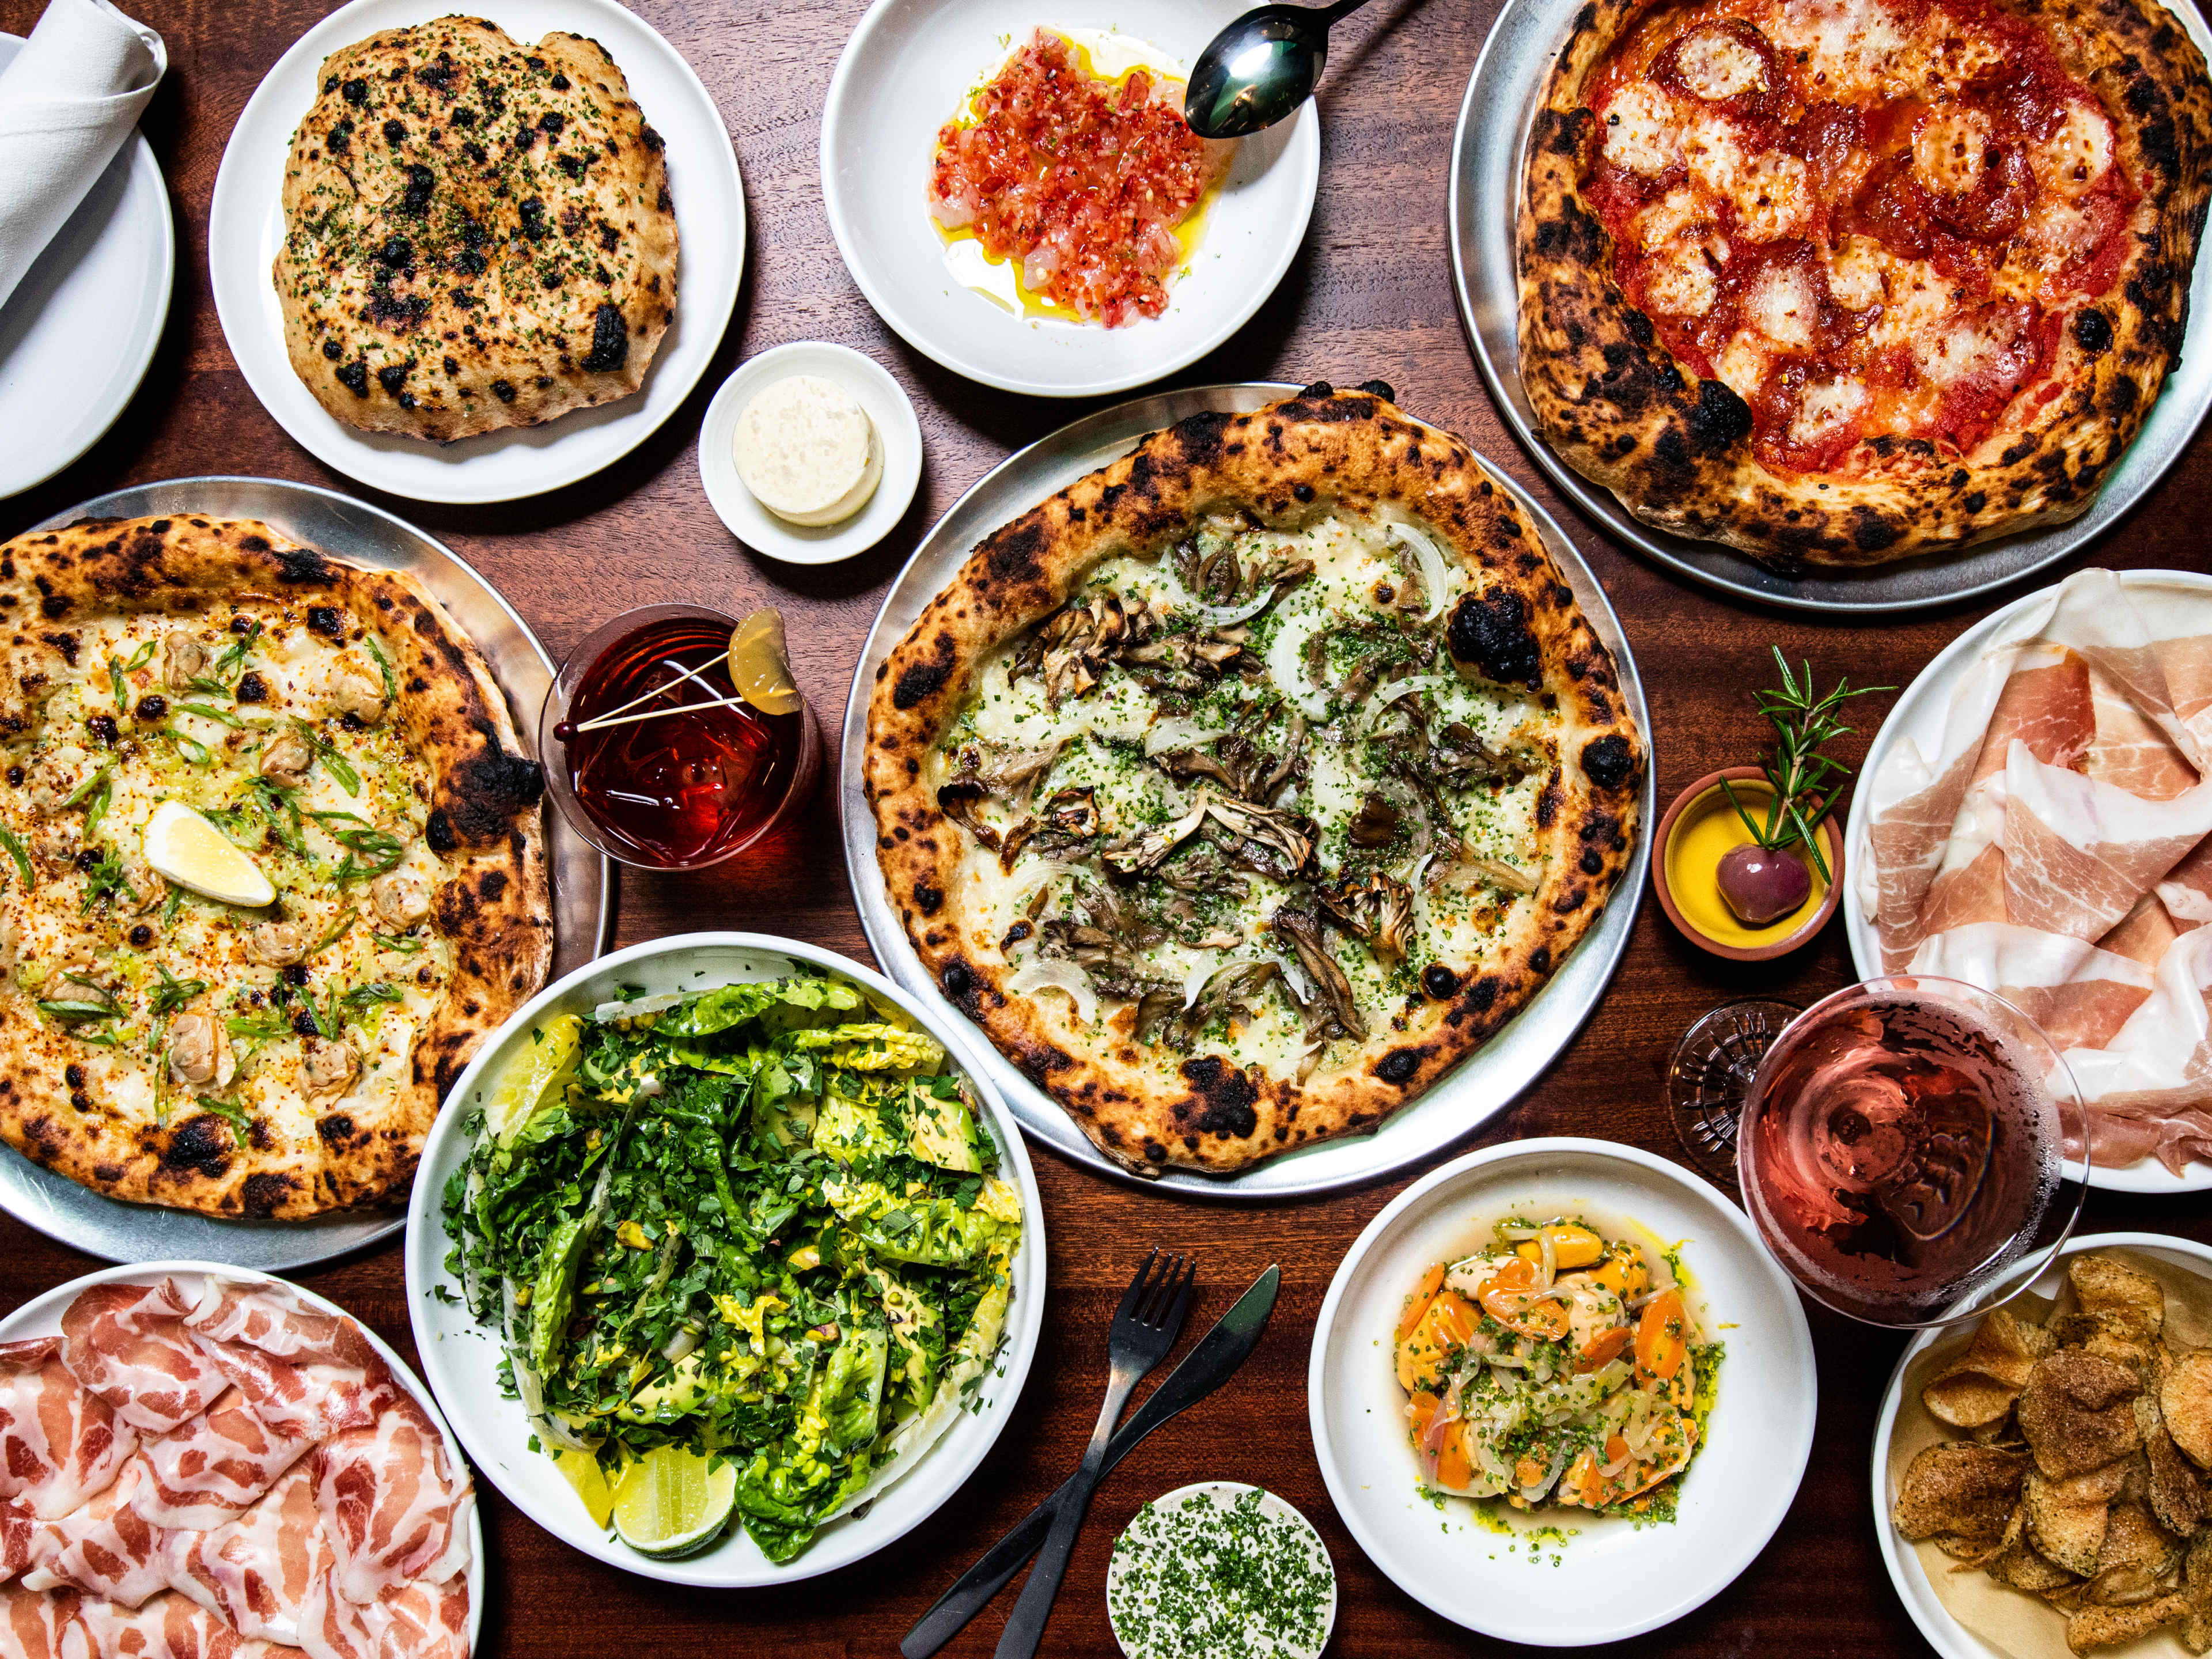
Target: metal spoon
[(1261, 69)]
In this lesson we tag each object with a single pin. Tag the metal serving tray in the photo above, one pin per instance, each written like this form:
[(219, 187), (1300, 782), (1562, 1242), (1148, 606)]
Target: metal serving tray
[(582, 890), (1470, 1096), (1486, 167)]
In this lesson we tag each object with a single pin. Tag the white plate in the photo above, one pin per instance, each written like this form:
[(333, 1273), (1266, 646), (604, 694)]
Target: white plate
[(1226, 1494), (908, 67), (77, 333), (42, 1316), (462, 1357), (245, 227), (1611, 1580), (1945, 1634), (869, 382), (1919, 714)]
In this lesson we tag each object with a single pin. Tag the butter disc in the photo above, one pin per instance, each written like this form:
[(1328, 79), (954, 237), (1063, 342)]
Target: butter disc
[(808, 450)]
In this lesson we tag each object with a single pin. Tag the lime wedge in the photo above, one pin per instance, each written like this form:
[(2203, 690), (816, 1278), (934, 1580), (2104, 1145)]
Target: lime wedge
[(590, 1480), (669, 1503), (760, 667), (536, 1077), (192, 853)]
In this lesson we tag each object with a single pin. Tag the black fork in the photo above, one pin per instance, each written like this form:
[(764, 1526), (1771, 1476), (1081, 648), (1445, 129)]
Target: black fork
[(1145, 1327)]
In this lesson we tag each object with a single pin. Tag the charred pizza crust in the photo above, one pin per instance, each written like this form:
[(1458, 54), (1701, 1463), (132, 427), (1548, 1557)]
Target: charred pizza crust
[(478, 234), (1676, 450), (483, 822), (1519, 624)]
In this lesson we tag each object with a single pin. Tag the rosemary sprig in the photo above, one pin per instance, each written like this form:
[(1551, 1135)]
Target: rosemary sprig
[(1799, 776)]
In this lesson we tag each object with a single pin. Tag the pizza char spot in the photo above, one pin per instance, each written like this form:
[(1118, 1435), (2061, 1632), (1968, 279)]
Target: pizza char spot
[(1400, 1065)]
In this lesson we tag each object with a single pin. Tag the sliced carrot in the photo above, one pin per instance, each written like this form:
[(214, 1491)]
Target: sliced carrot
[(1504, 1297), (1453, 1469), (1661, 1337), (1421, 1411), (1604, 1348), (1417, 1303)]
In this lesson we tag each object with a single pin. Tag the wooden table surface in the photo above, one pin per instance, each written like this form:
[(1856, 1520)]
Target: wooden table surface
[(1369, 296)]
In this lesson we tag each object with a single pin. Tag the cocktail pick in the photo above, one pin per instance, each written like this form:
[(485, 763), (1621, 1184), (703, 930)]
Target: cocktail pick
[(759, 668)]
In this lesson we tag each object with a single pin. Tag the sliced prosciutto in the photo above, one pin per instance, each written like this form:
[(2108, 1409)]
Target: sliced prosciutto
[(409, 1621), (128, 1344), (2074, 873), (59, 1444), (306, 1372), (257, 1570), (204, 1471), (392, 1507)]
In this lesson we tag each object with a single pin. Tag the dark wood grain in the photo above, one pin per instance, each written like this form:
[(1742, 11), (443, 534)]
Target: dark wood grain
[(1369, 296)]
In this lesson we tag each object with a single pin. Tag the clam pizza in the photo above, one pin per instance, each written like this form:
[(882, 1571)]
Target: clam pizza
[(1837, 281), (273, 865), (1247, 785)]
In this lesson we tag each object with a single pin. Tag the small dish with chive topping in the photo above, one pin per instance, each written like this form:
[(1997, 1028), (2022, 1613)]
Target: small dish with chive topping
[(1221, 1570)]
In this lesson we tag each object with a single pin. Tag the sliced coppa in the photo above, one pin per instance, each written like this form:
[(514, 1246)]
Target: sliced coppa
[(169, 1626), (257, 1571), (128, 1344), (107, 1548), (307, 1373), (408, 1621), (392, 1507), (35, 1623), (59, 1443), (208, 1470)]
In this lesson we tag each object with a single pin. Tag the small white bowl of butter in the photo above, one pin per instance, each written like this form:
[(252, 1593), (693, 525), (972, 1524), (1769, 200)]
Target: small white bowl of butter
[(819, 430)]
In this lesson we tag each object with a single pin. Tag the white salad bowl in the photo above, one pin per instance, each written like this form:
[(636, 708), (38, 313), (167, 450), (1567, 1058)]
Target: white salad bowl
[(461, 1358), (1607, 1579)]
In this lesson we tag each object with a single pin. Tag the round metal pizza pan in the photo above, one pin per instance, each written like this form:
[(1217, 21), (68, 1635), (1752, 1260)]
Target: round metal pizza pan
[(1492, 136), (1483, 1086), (583, 889)]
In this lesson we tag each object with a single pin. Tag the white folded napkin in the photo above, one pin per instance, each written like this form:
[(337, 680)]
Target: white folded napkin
[(70, 98)]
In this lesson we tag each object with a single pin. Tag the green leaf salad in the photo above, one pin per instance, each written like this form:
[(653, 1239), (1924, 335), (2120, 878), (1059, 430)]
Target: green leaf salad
[(760, 1222)]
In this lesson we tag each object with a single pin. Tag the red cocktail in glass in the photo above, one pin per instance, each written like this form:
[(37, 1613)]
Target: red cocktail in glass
[(653, 756)]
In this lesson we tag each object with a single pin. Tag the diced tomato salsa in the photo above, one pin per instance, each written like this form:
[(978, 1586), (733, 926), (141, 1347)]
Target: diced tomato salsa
[(1081, 180)]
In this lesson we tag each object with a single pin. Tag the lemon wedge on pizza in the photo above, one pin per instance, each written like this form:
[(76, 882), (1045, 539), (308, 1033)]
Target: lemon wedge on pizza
[(192, 853)]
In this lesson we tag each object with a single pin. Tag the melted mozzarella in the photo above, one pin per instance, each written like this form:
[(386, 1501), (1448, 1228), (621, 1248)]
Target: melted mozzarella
[(1824, 408), (1666, 219), (1851, 46), (1964, 348), (1681, 284), (1917, 298), (1782, 305), (1855, 273), (2076, 155), (1714, 153), (1950, 150), (1772, 198), (1639, 132), (1715, 65), (1742, 367)]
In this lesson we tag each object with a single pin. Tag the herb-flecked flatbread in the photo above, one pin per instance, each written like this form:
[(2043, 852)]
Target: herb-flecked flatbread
[(335, 723), (477, 233), (1246, 787)]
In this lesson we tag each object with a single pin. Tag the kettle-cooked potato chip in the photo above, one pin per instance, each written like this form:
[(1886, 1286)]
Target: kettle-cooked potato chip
[(2077, 1414)]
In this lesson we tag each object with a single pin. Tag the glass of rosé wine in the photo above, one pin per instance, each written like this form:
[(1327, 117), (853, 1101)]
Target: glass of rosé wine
[(1901, 1147), (674, 737)]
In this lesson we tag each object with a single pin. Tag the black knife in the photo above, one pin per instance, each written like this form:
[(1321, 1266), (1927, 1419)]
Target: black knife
[(1204, 1369)]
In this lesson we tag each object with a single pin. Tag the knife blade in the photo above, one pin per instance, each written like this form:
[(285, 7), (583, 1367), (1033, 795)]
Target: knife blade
[(1213, 1361)]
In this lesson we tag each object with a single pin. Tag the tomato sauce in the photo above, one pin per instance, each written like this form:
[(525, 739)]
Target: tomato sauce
[(1082, 180), (1872, 218)]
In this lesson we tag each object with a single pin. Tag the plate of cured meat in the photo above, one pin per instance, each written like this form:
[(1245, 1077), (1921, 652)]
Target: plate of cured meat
[(195, 1459), (2035, 817)]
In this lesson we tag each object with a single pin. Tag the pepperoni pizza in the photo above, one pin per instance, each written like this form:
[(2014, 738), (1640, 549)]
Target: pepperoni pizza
[(1837, 281)]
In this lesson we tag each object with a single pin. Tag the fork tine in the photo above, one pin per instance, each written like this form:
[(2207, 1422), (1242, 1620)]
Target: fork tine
[(1181, 1306), (1174, 1283), (1136, 1294), (1156, 1293)]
